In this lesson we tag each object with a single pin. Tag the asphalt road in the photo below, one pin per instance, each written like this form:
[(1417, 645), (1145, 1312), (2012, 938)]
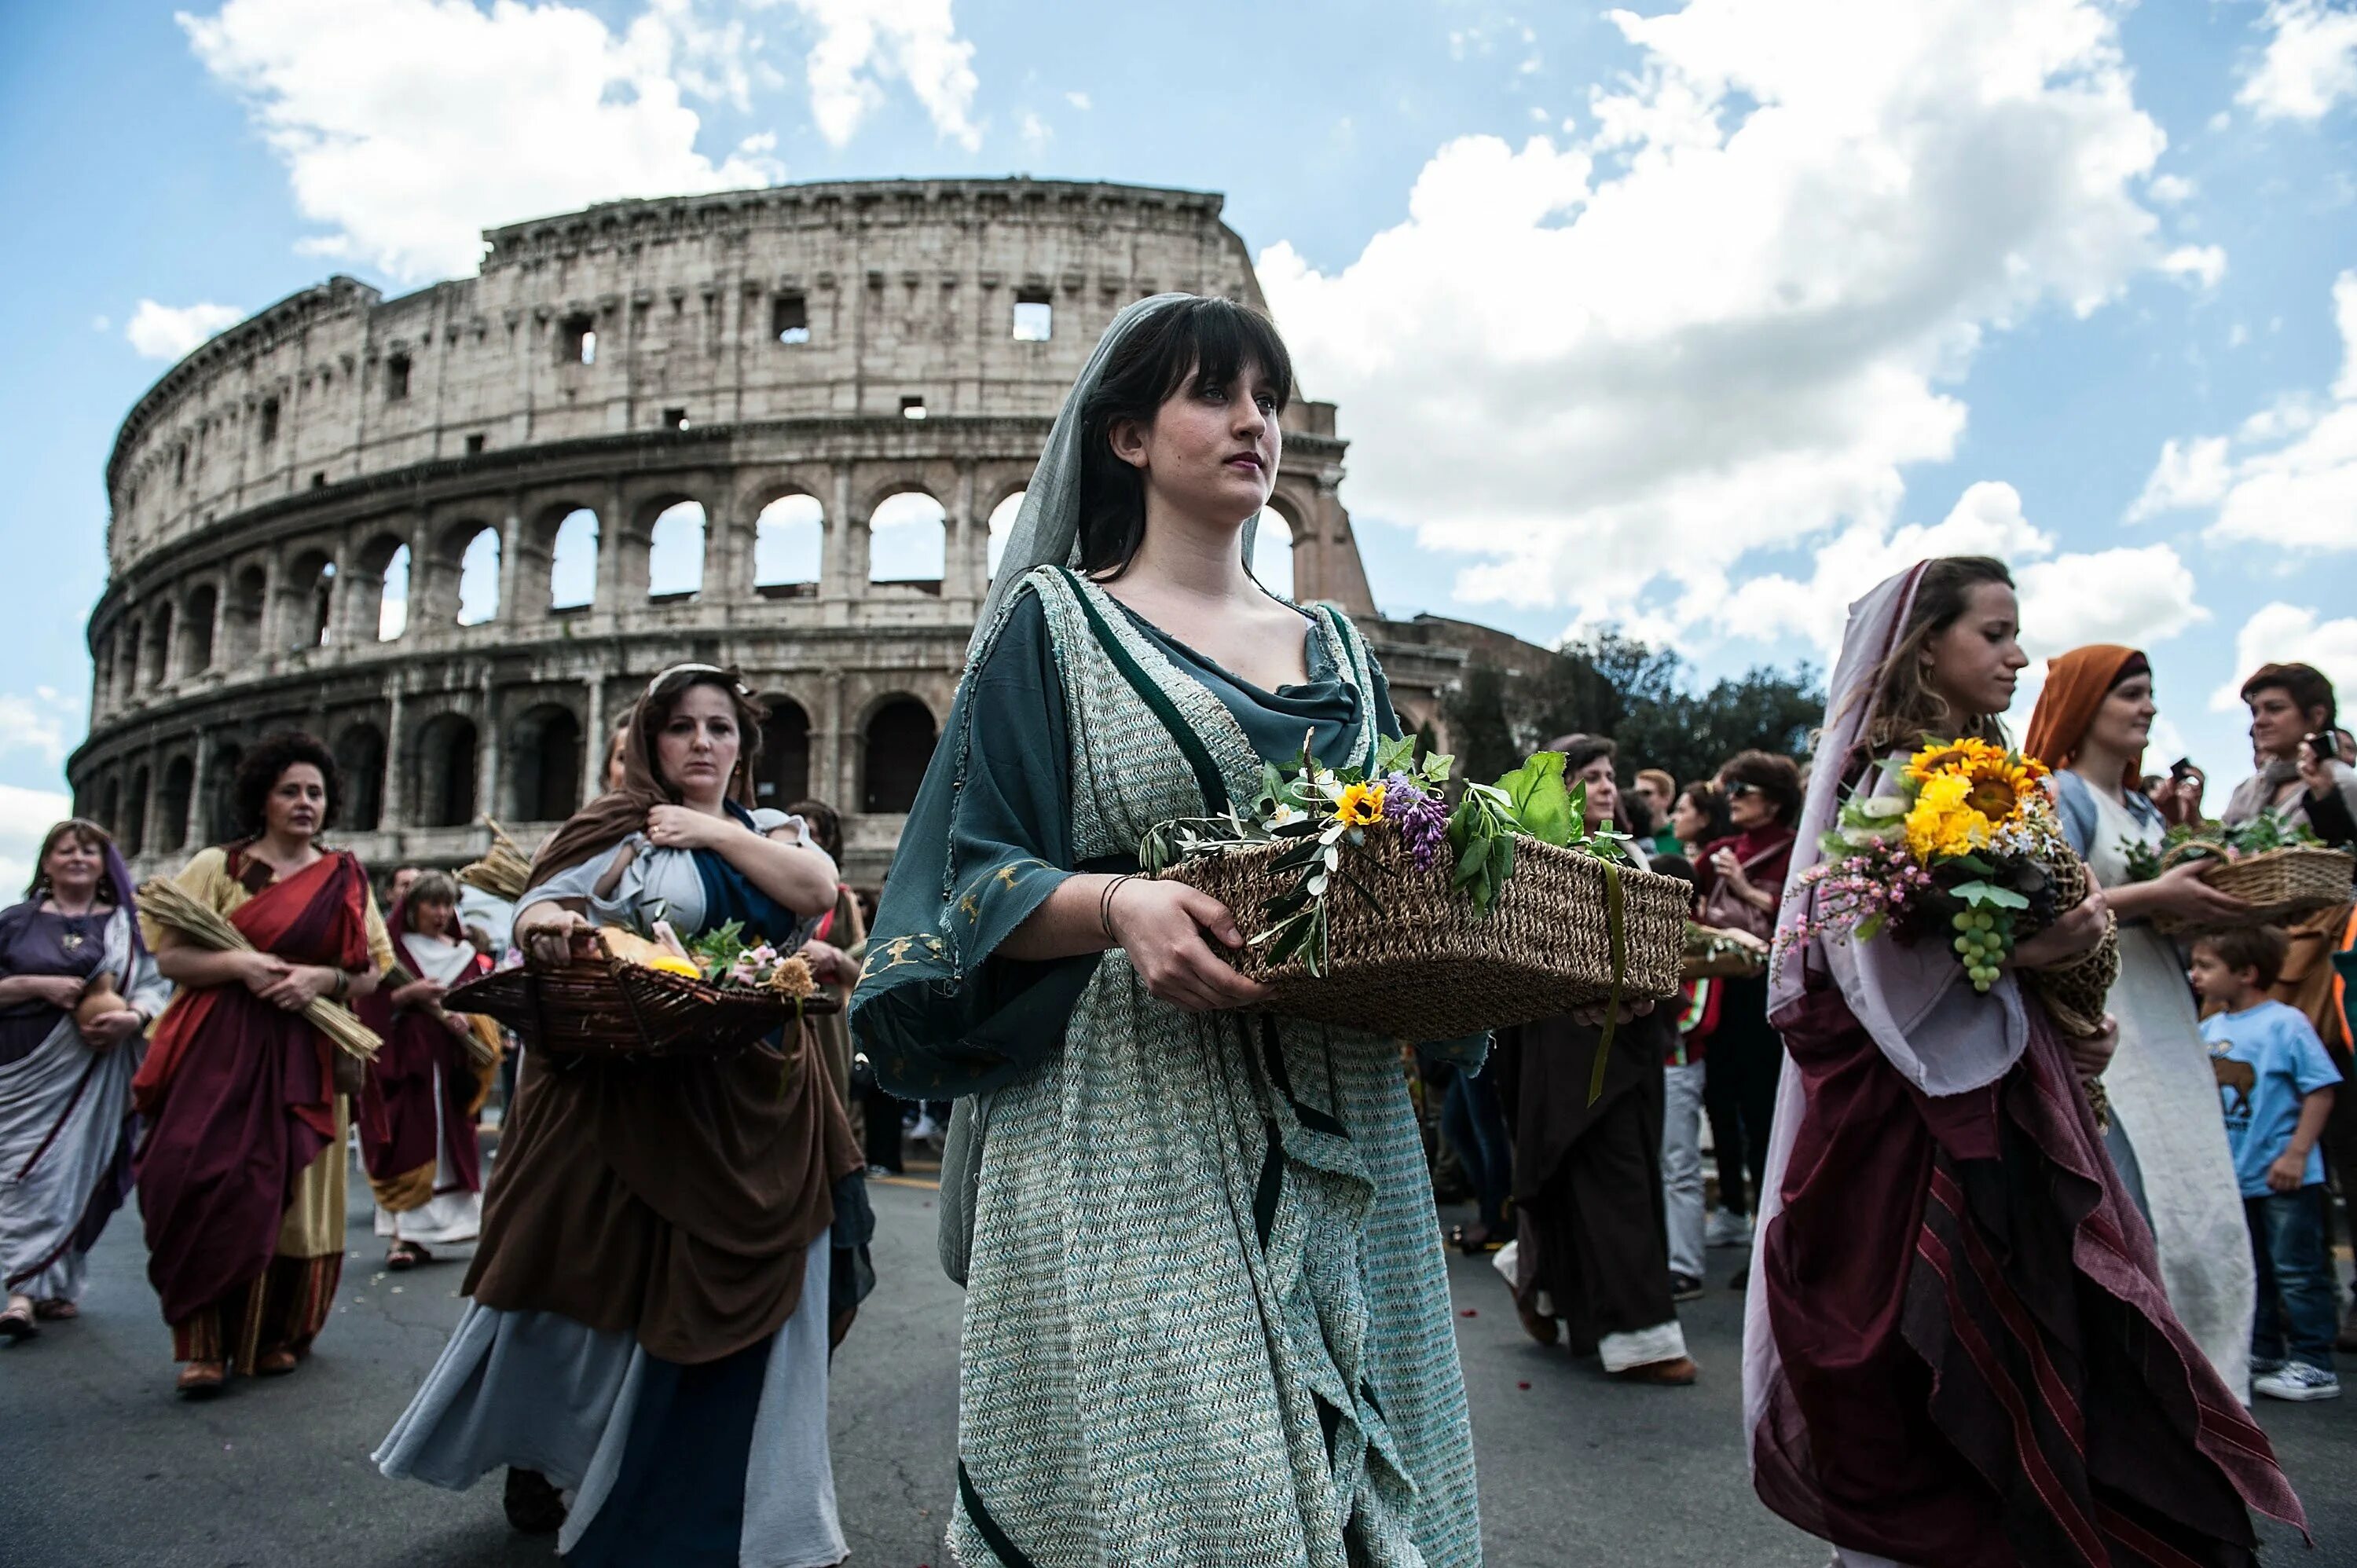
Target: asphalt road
[(104, 1465)]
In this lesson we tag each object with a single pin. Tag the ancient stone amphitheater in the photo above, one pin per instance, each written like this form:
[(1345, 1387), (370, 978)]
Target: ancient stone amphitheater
[(452, 533)]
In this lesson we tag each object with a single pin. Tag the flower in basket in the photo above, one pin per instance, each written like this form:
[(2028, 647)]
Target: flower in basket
[(1962, 848), (722, 957)]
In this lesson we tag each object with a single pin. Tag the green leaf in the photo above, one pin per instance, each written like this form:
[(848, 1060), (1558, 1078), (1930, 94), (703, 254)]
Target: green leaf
[(1394, 756), (1870, 928), (1988, 896), (1541, 805)]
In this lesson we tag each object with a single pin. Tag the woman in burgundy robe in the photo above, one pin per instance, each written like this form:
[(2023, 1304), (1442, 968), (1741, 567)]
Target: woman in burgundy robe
[(1957, 1348), (242, 1173)]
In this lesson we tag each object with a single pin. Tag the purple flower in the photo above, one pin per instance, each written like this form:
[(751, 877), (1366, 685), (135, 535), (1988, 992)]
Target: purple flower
[(1423, 824)]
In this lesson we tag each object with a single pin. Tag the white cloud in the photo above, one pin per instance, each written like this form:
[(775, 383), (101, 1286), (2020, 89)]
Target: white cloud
[(2288, 476), (2204, 264), (2195, 474), (2310, 64), (1722, 322), (1078, 100), (2169, 189), (2279, 633), (46, 724), (1037, 133), (25, 818), (408, 126), (863, 43), (167, 332)]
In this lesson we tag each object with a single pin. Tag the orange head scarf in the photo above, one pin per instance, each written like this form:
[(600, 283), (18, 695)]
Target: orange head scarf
[(2076, 685)]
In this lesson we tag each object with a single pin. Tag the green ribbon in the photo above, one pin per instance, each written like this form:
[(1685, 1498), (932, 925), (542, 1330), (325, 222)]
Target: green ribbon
[(1616, 925)]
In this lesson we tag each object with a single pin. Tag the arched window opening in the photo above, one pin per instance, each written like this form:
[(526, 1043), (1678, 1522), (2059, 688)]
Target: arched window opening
[(243, 622), (573, 562), (221, 823), (135, 815), (789, 539), (307, 601), (134, 650), (1272, 560), (546, 745), (479, 577), (172, 805), (159, 646), (675, 554), (109, 807), (197, 630), (908, 543), (323, 607), (782, 775), (899, 745), (360, 753), (392, 605), (446, 771), (1002, 524)]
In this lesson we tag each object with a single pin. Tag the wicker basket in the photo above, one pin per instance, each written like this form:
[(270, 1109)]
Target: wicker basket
[(2075, 996), (1427, 967), (2279, 885), (1720, 960), (606, 1007)]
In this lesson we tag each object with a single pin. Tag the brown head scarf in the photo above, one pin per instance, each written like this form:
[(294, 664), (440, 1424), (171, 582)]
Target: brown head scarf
[(677, 1199), (617, 814), (2076, 685)]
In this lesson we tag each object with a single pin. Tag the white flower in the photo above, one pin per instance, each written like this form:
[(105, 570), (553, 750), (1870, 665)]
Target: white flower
[(1284, 814)]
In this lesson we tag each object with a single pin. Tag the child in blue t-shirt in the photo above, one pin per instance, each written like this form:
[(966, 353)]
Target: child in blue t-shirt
[(2274, 1085)]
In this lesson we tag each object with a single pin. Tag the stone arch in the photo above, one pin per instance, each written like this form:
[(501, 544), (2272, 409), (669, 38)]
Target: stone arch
[(678, 537), (895, 745), (360, 756), (545, 746), (443, 772), (376, 604), (782, 775), (307, 602), (222, 823), (243, 620), (196, 655), (133, 648), (1273, 548), (155, 664), (477, 577), (172, 802), (908, 539), (790, 546), (134, 814), (109, 806), (565, 543), (1002, 524)]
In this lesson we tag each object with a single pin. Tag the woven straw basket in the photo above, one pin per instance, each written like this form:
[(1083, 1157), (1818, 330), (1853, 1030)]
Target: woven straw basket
[(1427, 967), (2279, 885), (606, 1007), (2075, 996)]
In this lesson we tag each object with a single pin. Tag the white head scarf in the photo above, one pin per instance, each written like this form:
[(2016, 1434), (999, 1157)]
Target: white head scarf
[(1046, 530)]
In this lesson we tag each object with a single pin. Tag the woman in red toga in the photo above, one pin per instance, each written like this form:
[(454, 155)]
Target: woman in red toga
[(1957, 1349)]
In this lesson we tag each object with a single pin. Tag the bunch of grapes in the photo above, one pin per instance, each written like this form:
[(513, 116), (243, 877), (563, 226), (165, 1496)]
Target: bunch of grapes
[(1983, 940)]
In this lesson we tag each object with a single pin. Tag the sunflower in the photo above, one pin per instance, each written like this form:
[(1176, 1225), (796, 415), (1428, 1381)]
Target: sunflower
[(1360, 805), (1997, 784), (1943, 820)]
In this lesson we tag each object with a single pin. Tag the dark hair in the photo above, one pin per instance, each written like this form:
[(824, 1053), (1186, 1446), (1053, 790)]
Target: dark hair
[(259, 773), (1778, 778), (825, 826), (663, 700), (1197, 342), (435, 887), (2305, 684), (2262, 948), (1905, 708), (90, 835), (1579, 750), (1711, 802), (1675, 866)]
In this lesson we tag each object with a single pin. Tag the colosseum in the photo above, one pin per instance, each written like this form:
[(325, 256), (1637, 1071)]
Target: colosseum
[(454, 532)]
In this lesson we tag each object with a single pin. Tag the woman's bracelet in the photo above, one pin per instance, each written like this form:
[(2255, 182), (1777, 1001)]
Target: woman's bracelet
[(1104, 904), (344, 984)]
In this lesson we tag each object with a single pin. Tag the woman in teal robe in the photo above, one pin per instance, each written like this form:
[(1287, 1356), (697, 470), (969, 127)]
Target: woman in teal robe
[(1207, 1315)]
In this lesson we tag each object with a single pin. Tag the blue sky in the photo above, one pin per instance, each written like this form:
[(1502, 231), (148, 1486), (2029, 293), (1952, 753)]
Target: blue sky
[(1697, 319)]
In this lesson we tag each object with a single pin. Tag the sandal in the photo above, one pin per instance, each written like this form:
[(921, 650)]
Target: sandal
[(406, 1255), (201, 1379), (16, 1323), (1473, 1240), (57, 1310)]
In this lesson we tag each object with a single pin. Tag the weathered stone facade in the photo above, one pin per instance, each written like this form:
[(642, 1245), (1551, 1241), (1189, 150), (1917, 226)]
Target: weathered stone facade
[(848, 343)]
